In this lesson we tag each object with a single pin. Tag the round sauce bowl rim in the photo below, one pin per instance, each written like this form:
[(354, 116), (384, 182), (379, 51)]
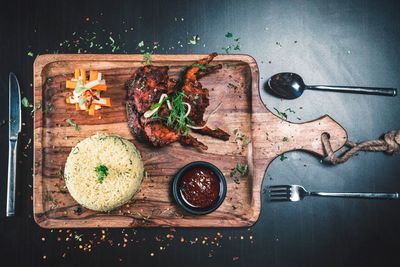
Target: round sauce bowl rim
[(177, 194)]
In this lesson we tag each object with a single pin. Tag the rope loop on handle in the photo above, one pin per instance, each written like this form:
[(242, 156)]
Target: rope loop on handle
[(390, 144)]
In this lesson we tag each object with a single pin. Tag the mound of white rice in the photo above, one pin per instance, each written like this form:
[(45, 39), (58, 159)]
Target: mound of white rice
[(103, 191)]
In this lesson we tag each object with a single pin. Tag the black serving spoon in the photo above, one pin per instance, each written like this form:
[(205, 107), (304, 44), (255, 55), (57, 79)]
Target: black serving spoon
[(290, 85)]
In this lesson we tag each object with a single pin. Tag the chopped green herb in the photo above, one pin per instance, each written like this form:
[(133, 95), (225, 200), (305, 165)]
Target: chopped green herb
[(227, 49), (283, 157), (239, 171), (49, 108), (78, 238), (195, 40), (285, 139), (154, 106), (235, 46), (37, 107), (102, 172), (30, 54), (141, 44), (283, 115), (290, 110), (25, 103), (240, 136), (176, 118), (200, 66), (73, 124), (147, 59)]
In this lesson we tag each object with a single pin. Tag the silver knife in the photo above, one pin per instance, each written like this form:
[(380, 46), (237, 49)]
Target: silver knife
[(14, 129)]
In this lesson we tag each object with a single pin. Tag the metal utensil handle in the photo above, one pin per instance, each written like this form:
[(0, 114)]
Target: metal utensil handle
[(12, 160), (355, 89), (358, 195)]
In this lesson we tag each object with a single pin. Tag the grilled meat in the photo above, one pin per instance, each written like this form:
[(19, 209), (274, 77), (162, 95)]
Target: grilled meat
[(145, 89)]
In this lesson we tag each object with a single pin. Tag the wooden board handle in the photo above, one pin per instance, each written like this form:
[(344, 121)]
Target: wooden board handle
[(280, 136)]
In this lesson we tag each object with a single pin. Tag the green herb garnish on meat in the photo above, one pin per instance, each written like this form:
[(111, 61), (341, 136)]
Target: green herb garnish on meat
[(102, 172), (176, 118)]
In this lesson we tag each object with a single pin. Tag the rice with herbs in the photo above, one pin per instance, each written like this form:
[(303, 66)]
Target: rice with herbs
[(103, 172)]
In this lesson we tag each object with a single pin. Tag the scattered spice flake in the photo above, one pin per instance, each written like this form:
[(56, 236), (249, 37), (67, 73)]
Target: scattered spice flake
[(285, 139), (239, 171), (195, 40), (283, 115), (25, 103), (232, 86), (283, 157), (73, 124)]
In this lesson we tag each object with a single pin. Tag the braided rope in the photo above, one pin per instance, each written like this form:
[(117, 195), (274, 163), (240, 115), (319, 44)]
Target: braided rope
[(390, 144)]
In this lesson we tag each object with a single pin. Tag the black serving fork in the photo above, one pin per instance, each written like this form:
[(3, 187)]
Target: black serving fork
[(297, 193)]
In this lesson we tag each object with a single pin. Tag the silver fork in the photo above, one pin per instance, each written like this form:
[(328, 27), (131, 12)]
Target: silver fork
[(297, 193)]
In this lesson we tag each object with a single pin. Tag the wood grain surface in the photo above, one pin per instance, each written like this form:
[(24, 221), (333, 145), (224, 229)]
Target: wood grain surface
[(236, 86)]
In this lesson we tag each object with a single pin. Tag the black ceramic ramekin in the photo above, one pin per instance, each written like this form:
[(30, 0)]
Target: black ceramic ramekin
[(176, 194)]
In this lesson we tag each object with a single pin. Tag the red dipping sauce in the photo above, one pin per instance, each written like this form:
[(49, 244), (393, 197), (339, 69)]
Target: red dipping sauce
[(199, 187)]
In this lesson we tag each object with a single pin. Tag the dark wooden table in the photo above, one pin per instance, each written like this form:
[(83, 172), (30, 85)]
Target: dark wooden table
[(327, 42)]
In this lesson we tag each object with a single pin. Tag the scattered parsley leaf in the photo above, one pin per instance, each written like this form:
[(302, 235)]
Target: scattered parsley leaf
[(73, 124), (228, 35), (283, 115), (78, 238), (102, 172), (141, 44), (147, 59), (290, 110), (239, 171), (235, 46), (30, 54), (37, 107), (200, 66), (112, 40), (283, 157), (227, 49), (285, 139), (25, 103), (195, 40)]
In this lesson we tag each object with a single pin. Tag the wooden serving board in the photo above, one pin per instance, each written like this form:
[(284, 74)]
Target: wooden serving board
[(236, 85)]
